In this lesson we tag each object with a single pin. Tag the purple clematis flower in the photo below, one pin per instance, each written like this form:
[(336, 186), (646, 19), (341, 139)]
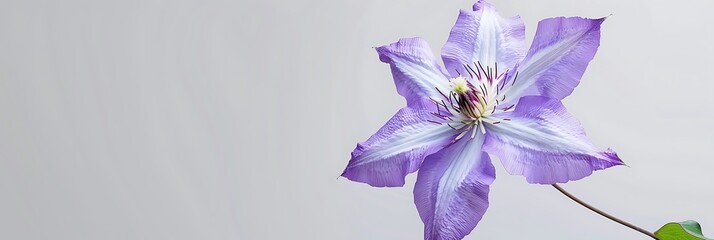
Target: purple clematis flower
[(494, 99)]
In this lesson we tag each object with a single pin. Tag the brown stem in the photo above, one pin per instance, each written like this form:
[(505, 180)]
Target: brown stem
[(604, 214)]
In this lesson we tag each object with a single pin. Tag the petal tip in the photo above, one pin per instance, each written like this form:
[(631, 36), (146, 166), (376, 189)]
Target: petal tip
[(402, 45), (481, 4), (356, 177), (355, 174), (613, 157)]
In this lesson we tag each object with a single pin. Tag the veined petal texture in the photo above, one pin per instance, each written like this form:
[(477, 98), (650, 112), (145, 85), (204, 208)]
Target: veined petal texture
[(397, 149), (544, 143), (560, 53), (482, 35), (416, 73), (451, 192)]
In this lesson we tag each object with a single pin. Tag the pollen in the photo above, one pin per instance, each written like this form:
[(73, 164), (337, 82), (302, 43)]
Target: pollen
[(459, 85)]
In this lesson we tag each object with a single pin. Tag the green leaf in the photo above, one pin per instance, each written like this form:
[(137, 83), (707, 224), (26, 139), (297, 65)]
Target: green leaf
[(687, 230)]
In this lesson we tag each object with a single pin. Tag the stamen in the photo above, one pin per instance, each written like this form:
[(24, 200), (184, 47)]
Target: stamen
[(440, 116), (491, 120), (481, 66), (505, 80), (434, 122), (490, 75), (509, 107), (478, 75), (467, 70), (483, 128), (435, 103), (460, 135), (495, 65), (470, 103), (447, 109), (442, 94)]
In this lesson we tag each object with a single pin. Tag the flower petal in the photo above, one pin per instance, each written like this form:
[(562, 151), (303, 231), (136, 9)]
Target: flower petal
[(414, 69), (544, 143), (483, 35), (561, 50), (397, 149), (451, 192)]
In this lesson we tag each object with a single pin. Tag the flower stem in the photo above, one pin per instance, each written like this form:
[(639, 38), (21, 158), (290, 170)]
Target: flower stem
[(604, 214)]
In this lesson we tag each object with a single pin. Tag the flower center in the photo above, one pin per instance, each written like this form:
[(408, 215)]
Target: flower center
[(460, 85), (472, 100)]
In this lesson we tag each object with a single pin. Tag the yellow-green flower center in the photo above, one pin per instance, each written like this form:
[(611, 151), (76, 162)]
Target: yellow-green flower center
[(459, 85)]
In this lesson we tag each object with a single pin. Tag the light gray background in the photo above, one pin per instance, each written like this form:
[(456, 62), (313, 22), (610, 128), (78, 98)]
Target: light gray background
[(232, 119)]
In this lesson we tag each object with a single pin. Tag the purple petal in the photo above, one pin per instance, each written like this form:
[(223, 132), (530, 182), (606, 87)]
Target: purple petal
[(544, 143), (397, 149), (483, 35), (561, 50), (451, 192), (414, 69)]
